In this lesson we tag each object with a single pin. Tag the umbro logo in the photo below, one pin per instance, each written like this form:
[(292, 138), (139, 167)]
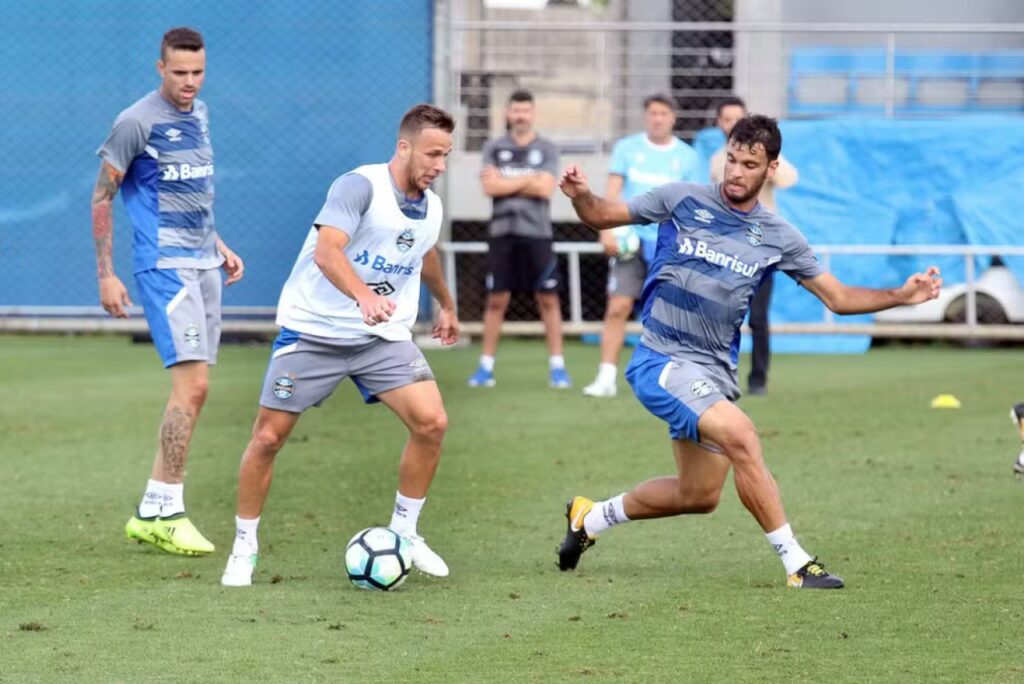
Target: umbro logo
[(173, 134), (703, 215)]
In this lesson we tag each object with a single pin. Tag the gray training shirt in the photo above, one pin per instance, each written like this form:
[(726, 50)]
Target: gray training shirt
[(709, 261), (514, 215), (167, 160)]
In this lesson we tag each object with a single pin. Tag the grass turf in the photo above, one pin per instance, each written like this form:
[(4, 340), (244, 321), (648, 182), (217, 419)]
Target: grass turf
[(916, 508)]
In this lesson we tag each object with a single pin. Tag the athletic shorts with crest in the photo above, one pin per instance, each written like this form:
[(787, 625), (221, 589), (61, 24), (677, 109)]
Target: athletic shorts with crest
[(678, 391), (305, 369), (183, 309)]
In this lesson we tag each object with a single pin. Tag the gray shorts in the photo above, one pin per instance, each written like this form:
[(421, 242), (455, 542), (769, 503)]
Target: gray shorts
[(305, 369), (182, 307), (626, 278)]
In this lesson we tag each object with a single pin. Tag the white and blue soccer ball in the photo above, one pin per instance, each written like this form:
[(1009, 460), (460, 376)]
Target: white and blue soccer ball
[(378, 558), (627, 241)]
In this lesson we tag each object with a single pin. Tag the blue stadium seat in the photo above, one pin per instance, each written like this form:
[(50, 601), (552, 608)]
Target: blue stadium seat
[(838, 81)]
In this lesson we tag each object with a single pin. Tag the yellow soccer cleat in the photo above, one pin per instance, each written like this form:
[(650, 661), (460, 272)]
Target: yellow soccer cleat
[(143, 530), (177, 534)]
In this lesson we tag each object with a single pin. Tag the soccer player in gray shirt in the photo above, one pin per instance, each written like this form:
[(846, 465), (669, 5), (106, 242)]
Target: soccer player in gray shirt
[(519, 174), (159, 152), (715, 245)]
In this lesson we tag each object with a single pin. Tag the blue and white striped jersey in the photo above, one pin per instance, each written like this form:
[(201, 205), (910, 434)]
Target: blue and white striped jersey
[(710, 260), (167, 191)]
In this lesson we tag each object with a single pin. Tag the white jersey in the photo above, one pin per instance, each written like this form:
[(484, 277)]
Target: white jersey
[(386, 248)]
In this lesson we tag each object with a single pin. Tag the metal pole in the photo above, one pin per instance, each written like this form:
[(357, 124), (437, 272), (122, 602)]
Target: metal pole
[(602, 94), (890, 75), (575, 297), (449, 275), (972, 303)]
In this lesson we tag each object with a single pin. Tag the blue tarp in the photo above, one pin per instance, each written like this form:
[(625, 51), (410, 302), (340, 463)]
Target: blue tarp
[(877, 181), (299, 92)]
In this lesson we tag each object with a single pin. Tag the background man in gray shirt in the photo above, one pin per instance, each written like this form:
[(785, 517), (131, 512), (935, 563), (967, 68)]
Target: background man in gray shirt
[(519, 173)]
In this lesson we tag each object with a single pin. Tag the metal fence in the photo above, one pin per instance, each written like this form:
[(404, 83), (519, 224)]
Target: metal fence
[(590, 70), (583, 315), (292, 106), (298, 93)]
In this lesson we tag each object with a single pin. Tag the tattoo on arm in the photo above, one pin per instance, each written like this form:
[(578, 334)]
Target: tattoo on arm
[(175, 435), (107, 184)]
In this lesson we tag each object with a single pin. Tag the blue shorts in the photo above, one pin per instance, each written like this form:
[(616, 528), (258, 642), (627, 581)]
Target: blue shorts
[(182, 307), (677, 391)]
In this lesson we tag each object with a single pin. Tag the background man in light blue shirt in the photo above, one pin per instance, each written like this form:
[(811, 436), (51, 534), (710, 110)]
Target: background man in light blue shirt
[(640, 162)]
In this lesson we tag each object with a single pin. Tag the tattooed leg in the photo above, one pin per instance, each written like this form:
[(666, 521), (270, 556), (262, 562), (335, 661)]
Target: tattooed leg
[(188, 394)]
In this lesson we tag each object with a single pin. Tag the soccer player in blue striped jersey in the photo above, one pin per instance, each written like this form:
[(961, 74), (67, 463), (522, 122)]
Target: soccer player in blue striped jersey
[(159, 154), (715, 245)]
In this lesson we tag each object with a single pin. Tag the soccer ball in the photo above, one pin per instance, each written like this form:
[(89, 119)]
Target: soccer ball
[(377, 558), (628, 243)]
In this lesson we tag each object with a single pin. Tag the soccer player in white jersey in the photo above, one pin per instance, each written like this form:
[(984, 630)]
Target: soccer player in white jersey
[(347, 311), (716, 243), (159, 151)]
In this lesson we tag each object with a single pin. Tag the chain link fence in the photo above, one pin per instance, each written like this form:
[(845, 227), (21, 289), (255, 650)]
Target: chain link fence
[(590, 65), (298, 93), (301, 92)]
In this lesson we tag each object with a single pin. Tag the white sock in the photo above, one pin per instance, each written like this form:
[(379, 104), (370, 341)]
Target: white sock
[(406, 514), (152, 499), (790, 552), (1020, 459), (606, 373), (605, 514), (556, 361), (245, 537), (487, 363), (174, 500)]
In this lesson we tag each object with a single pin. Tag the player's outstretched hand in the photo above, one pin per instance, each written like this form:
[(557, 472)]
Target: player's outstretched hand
[(921, 287), (574, 182), (233, 264), (114, 297), (376, 309), (446, 328)]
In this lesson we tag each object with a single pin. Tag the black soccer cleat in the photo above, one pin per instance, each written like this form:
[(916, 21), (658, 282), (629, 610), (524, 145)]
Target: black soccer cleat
[(576, 538), (813, 576)]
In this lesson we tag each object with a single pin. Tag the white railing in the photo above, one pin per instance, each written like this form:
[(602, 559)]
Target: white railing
[(971, 328), (260, 320)]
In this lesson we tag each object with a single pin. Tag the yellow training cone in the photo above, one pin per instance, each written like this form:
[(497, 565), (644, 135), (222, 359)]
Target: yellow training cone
[(945, 401)]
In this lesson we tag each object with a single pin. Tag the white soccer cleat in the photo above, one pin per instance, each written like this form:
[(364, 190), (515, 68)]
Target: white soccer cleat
[(600, 389), (239, 570), (424, 559)]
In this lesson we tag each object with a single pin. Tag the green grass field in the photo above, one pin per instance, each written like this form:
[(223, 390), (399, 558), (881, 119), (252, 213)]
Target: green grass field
[(916, 508)]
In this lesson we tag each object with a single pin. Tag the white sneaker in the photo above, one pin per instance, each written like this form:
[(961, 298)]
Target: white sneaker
[(424, 559), (601, 389), (239, 571)]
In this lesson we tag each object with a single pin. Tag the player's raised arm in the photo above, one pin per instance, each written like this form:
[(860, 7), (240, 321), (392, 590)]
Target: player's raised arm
[(848, 299), (331, 260), (113, 294), (446, 328), (596, 212)]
